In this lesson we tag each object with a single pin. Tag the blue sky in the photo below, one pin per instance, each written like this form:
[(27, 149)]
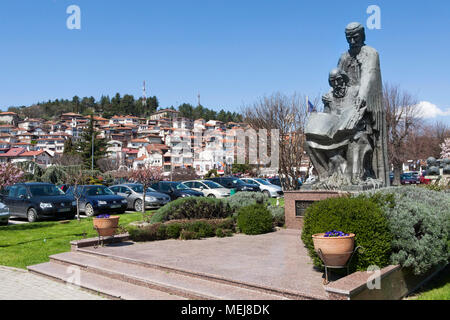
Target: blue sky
[(232, 52)]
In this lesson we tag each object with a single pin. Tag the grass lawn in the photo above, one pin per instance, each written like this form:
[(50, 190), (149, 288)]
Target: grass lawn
[(437, 289), (32, 243), (273, 201)]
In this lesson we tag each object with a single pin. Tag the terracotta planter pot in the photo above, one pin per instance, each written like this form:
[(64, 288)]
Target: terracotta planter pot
[(106, 226), (335, 250)]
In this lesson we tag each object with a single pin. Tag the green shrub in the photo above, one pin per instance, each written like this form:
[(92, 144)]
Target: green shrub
[(192, 208), (147, 233), (188, 235), (245, 199), (255, 219), (277, 215), (419, 220), (220, 233), (173, 230), (360, 216), (184, 229), (202, 228)]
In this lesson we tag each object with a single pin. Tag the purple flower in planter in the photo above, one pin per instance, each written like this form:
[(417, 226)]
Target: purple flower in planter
[(103, 216), (334, 234)]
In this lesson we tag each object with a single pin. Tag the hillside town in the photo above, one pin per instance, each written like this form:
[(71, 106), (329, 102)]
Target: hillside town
[(163, 140)]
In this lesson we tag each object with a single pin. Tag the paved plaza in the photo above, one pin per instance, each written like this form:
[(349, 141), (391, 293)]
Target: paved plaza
[(18, 284), (275, 261)]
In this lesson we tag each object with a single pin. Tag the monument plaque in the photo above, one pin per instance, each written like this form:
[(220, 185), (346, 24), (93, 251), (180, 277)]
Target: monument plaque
[(301, 206)]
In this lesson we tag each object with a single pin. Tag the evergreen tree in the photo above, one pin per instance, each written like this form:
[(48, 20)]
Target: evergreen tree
[(84, 147)]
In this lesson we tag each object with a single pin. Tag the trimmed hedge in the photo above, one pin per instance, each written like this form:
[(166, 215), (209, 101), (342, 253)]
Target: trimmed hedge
[(183, 229), (360, 216), (192, 208), (254, 219), (419, 220)]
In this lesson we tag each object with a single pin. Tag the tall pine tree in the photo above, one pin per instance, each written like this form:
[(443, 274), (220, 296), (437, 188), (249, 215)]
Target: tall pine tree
[(85, 146)]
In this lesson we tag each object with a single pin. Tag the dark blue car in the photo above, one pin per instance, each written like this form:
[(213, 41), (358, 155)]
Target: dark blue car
[(97, 199), (37, 201)]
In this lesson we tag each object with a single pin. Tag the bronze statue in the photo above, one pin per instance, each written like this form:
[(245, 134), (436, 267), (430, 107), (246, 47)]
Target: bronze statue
[(347, 142)]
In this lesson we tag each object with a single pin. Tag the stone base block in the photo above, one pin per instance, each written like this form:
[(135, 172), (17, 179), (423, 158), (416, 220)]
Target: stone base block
[(296, 202)]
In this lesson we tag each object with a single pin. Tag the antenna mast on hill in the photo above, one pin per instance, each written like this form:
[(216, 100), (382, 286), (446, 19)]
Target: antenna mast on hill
[(144, 96), (199, 99)]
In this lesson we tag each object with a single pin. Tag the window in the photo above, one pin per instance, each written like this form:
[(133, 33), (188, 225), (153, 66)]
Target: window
[(13, 191), (190, 184), (22, 192), (45, 190)]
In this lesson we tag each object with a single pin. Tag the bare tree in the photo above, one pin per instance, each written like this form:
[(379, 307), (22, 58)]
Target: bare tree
[(146, 177), (287, 114), (67, 159), (403, 120), (109, 164)]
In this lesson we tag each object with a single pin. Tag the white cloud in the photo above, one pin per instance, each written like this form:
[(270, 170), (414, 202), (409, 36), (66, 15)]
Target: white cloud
[(430, 111)]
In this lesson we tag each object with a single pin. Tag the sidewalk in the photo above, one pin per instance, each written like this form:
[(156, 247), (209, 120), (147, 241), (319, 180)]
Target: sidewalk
[(18, 284)]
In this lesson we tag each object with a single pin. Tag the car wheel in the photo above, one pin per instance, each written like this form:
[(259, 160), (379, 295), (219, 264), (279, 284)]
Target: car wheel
[(138, 205), (89, 210), (32, 215), (211, 196), (267, 193)]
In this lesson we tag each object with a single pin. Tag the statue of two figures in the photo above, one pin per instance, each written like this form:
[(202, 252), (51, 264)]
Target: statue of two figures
[(347, 141)]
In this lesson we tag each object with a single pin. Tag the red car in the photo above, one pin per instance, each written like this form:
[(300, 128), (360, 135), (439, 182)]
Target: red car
[(423, 180)]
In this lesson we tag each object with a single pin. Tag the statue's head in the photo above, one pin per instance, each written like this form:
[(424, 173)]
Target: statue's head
[(356, 35), (338, 80)]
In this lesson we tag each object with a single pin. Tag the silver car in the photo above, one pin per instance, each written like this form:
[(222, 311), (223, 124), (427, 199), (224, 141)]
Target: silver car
[(4, 215), (271, 190), (209, 188), (133, 193)]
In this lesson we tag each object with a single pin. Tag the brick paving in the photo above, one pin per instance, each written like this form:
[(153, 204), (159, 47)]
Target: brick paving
[(18, 284)]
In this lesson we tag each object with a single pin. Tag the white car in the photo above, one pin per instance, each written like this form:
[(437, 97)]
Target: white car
[(271, 190), (209, 188)]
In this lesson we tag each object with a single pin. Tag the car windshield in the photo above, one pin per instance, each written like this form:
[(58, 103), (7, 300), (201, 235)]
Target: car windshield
[(212, 185), (262, 181), (180, 186), (139, 188), (45, 190), (238, 182), (98, 191)]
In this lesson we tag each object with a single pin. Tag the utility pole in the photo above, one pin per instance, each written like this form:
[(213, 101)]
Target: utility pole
[(144, 96), (92, 143)]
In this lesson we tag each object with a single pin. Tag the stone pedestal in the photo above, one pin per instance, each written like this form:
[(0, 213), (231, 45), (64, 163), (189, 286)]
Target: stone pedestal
[(296, 203)]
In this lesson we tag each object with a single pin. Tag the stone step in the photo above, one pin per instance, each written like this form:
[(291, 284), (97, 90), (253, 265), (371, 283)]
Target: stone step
[(111, 288), (167, 281)]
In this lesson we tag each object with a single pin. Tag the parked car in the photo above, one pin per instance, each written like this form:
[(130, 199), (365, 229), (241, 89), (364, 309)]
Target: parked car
[(4, 214), (275, 181), (235, 183), (96, 199), (175, 189), (63, 187), (133, 193), (409, 178), (36, 201), (209, 188), (422, 178), (267, 188)]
